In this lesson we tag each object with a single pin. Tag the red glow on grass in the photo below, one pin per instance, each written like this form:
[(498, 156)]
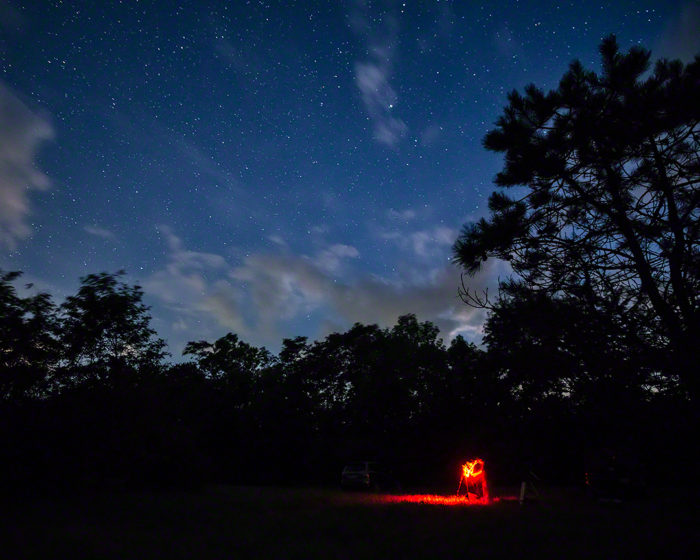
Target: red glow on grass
[(472, 483), (435, 500)]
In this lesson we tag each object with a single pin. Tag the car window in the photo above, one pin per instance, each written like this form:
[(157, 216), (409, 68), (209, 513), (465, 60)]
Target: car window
[(355, 467)]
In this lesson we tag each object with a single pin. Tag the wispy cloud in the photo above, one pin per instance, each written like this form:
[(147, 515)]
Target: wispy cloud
[(404, 215), (21, 134), (332, 258), (277, 240), (380, 99), (423, 243), (288, 287), (373, 77), (262, 295), (100, 232), (192, 285), (204, 163)]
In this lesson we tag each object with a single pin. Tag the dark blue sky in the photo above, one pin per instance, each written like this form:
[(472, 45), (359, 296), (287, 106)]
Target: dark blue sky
[(275, 168)]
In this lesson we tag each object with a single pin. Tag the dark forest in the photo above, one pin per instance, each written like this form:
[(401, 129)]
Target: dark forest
[(589, 353)]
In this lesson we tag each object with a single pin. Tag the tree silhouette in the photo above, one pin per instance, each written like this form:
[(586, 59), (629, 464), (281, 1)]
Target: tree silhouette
[(28, 345), (105, 331), (553, 348), (230, 361), (610, 216)]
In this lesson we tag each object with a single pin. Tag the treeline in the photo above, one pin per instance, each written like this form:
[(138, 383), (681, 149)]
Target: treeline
[(89, 398), (590, 347)]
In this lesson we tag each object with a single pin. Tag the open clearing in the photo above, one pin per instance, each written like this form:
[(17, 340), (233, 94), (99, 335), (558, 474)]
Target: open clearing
[(251, 522)]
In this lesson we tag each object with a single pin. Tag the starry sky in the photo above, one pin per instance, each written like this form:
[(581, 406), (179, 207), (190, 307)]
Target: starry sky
[(276, 169)]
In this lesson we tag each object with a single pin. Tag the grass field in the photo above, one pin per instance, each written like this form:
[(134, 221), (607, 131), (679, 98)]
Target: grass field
[(252, 522)]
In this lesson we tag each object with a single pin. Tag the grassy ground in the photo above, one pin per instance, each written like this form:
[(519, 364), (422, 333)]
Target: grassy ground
[(245, 522)]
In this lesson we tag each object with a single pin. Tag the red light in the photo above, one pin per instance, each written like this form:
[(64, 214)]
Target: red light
[(472, 469), (474, 479), (433, 500)]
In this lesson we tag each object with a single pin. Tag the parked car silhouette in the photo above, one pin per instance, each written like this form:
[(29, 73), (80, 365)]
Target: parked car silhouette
[(367, 475)]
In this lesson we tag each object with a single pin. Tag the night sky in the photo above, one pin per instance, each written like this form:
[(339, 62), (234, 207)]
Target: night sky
[(275, 168)]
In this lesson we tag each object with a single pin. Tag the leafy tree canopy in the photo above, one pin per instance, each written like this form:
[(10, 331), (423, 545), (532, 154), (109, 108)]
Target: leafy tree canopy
[(228, 356), (28, 343), (611, 169), (105, 327)]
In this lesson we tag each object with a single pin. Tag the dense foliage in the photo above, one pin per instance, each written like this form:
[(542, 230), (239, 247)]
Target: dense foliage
[(590, 350), (607, 168), (89, 399)]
